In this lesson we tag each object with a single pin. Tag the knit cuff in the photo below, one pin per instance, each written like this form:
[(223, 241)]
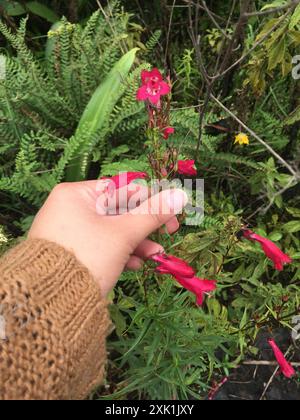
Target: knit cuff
[(67, 313)]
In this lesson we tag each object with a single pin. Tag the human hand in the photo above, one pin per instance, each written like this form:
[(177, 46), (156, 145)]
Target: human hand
[(75, 217)]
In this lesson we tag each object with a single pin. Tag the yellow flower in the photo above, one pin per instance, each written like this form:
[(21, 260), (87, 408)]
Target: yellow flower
[(3, 238), (241, 139), (60, 29)]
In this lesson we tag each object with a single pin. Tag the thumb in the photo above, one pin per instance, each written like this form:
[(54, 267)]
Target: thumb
[(152, 214)]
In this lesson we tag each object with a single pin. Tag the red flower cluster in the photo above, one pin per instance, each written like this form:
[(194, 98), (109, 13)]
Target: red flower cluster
[(286, 368), (185, 275), (187, 168), (270, 249), (168, 131), (153, 87)]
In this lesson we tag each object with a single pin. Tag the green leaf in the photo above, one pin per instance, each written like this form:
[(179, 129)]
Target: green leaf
[(292, 227), (126, 165), (286, 64), (274, 4), (98, 110), (126, 303), (42, 11), (293, 117), (12, 8), (295, 37), (275, 236), (214, 307), (118, 151), (118, 319), (268, 26), (277, 54), (294, 211), (295, 19)]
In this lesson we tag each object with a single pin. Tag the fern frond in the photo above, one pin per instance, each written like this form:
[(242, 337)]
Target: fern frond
[(235, 159)]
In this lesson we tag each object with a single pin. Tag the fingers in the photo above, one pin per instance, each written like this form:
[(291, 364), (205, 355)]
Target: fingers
[(134, 264), (147, 248), (121, 200), (153, 213), (142, 253), (129, 197), (171, 226)]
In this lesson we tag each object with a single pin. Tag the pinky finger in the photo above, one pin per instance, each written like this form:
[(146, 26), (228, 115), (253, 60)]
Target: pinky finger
[(134, 264)]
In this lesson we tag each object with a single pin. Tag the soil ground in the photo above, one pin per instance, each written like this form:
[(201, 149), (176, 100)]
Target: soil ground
[(249, 382)]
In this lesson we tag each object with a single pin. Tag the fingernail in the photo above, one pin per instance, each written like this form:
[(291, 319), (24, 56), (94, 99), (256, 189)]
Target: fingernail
[(177, 200)]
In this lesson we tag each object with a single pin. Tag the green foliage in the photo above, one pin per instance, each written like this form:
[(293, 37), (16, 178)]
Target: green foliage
[(293, 117), (43, 101), (96, 116), (14, 8), (68, 111), (170, 348), (276, 51)]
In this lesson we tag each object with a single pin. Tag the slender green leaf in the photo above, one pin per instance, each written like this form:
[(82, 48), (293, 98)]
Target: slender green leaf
[(98, 110), (42, 11)]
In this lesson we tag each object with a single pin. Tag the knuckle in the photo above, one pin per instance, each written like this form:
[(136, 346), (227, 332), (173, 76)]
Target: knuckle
[(61, 188), (156, 218)]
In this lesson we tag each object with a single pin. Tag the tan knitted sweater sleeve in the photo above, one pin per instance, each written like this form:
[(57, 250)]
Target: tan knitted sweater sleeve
[(53, 324)]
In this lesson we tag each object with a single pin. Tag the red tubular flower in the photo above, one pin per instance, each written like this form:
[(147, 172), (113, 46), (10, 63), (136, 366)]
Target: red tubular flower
[(119, 181), (153, 87), (286, 368), (169, 264), (270, 249), (197, 286), (185, 275), (167, 132), (187, 167)]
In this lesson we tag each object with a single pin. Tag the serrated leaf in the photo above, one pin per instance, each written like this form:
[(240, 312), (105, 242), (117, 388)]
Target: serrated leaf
[(126, 165)]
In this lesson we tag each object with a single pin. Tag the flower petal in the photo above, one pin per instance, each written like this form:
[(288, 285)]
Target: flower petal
[(142, 94), (154, 99), (187, 167), (154, 75), (271, 250), (286, 368), (164, 88)]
